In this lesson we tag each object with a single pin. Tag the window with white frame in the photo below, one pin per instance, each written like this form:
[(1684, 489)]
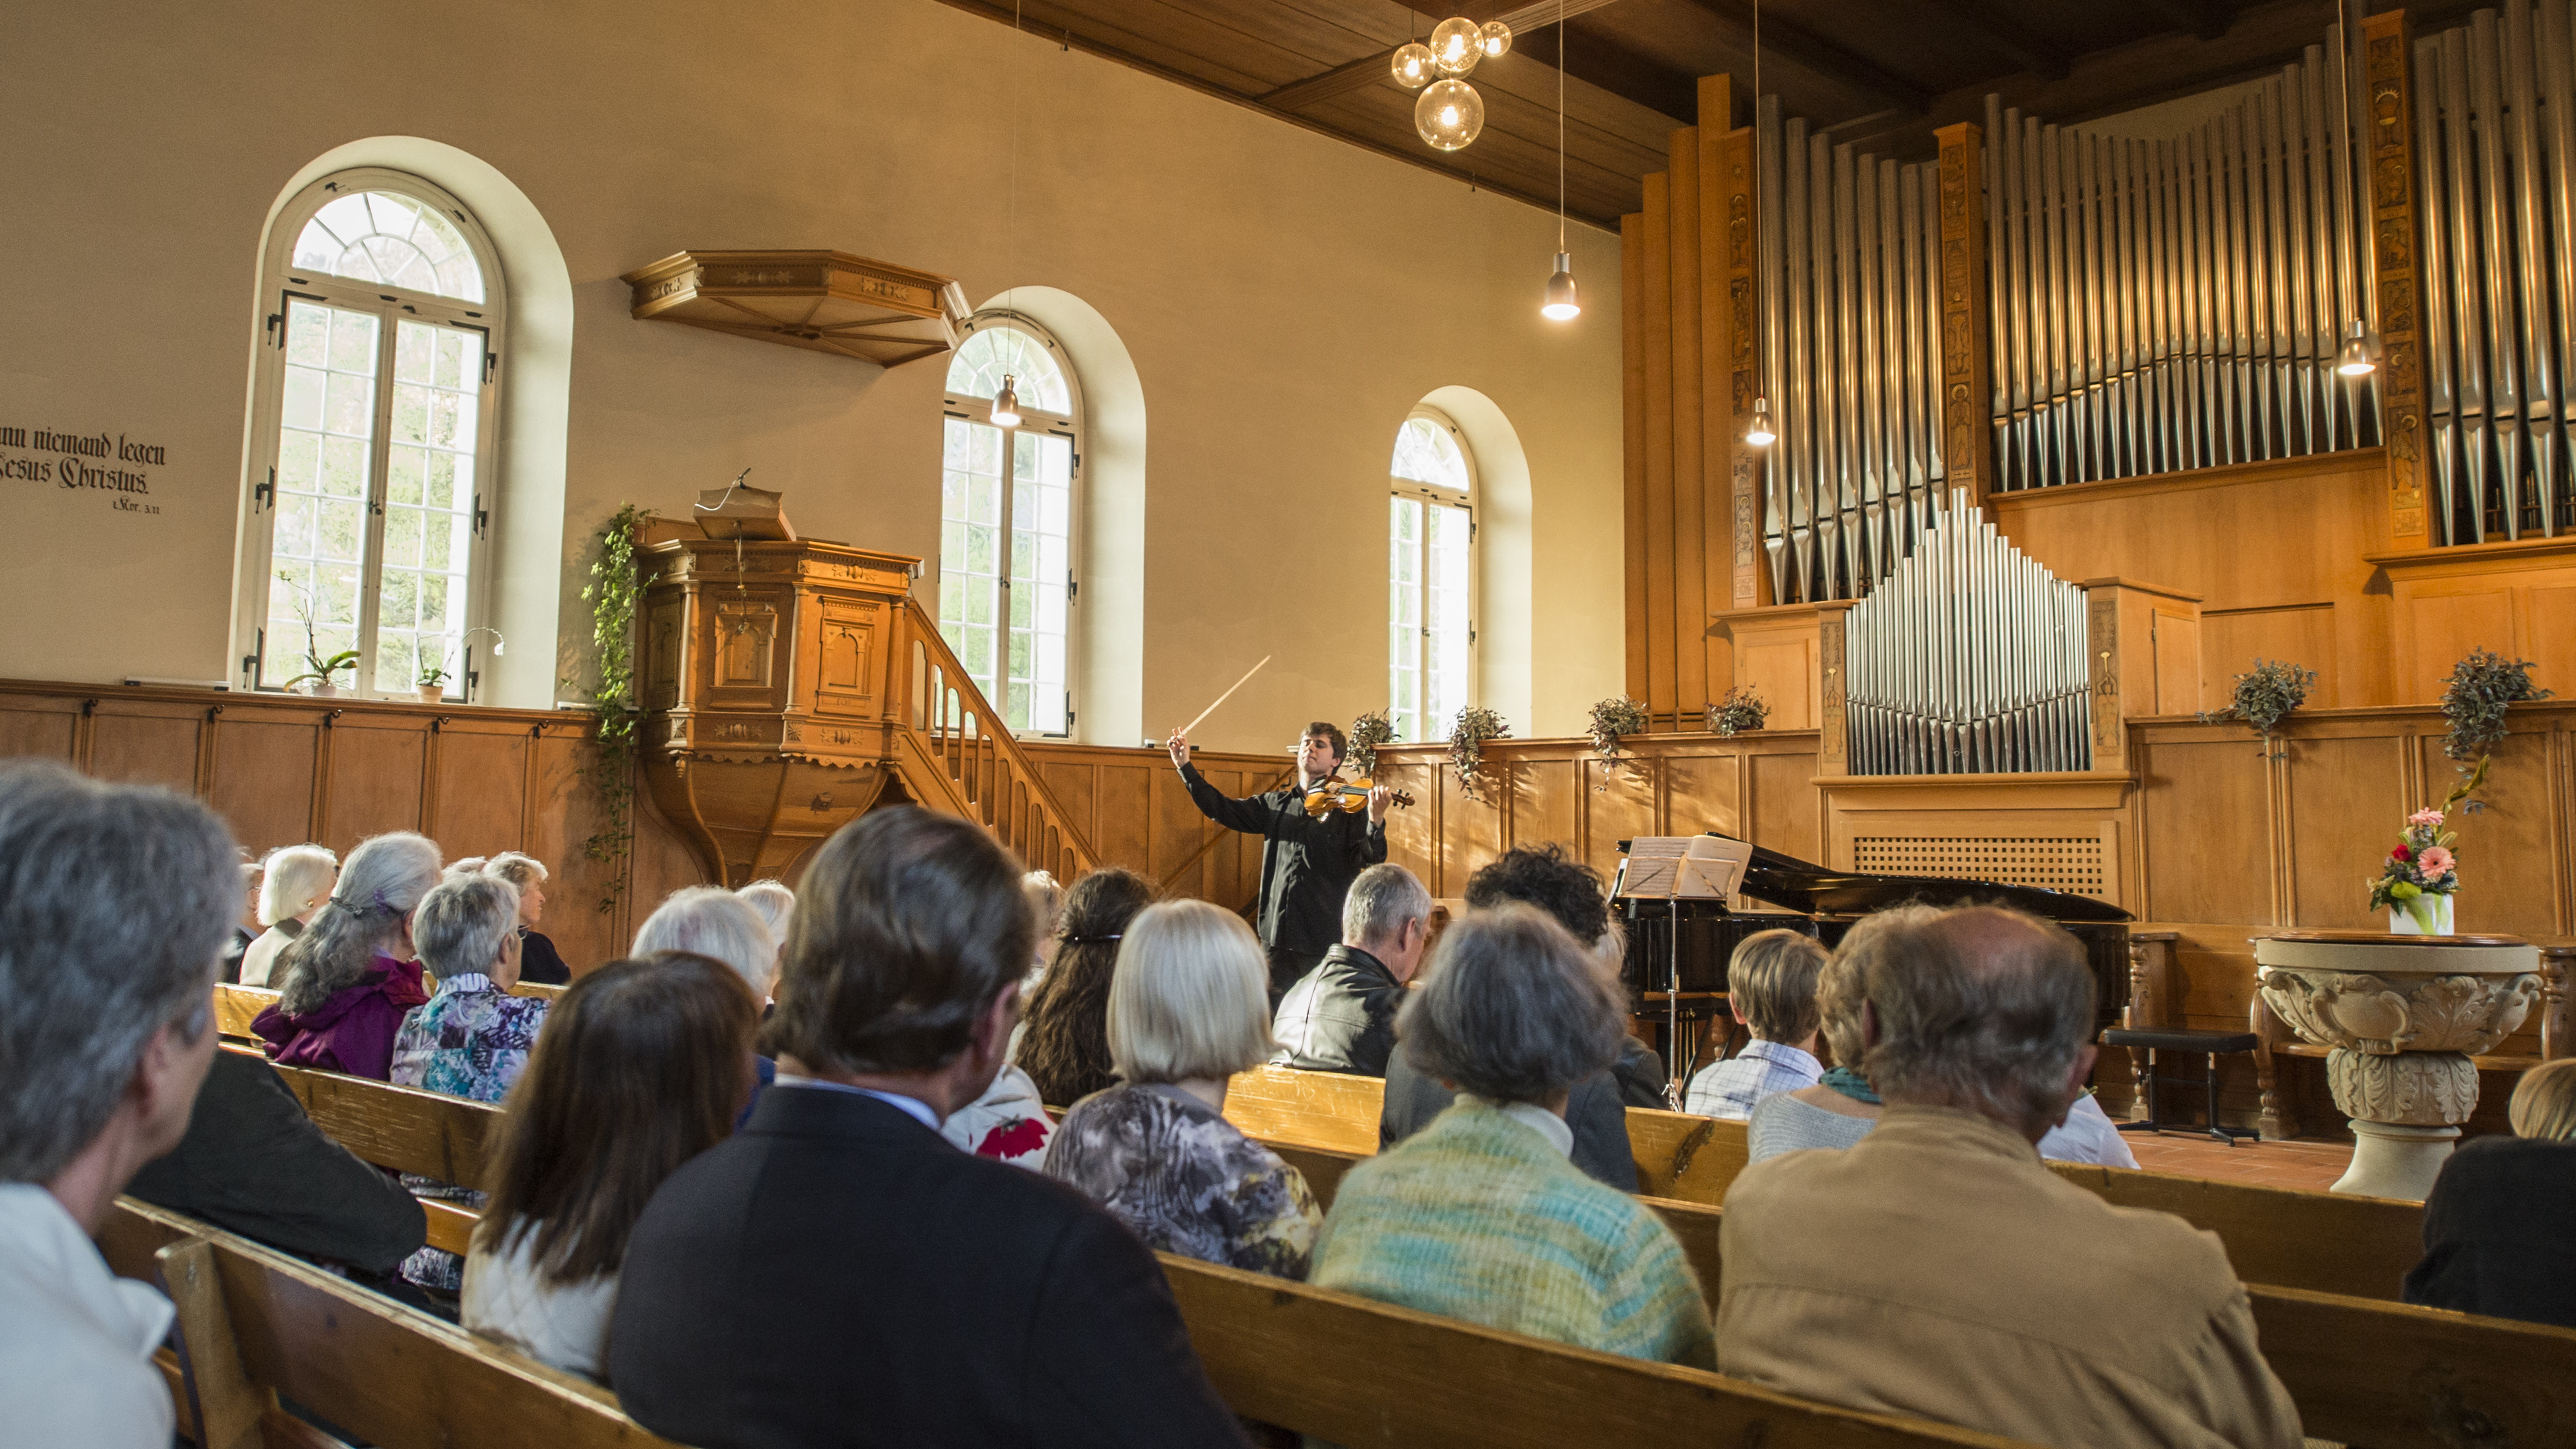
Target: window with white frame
[(371, 477), (1008, 501), (1431, 633)]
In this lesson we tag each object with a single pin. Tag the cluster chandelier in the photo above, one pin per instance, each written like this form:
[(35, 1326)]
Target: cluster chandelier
[(1450, 113)]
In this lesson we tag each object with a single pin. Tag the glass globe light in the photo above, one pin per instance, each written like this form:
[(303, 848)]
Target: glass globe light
[(1562, 305), (1456, 45), (1449, 115), (1006, 404), (1497, 38), (1413, 69)]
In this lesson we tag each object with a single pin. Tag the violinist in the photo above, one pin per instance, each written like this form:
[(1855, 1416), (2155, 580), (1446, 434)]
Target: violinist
[(1308, 859)]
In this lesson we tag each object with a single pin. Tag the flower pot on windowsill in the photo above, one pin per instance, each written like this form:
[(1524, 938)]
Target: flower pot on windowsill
[(2435, 921), (432, 693), (323, 689)]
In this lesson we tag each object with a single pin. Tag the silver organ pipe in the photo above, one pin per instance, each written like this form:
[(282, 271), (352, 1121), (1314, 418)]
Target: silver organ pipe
[(1850, 335), (2495, 118), (1967, 658)]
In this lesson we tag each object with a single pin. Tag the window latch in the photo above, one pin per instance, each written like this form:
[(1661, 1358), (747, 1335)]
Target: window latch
[(264, 495), (491, 361), (482, 515)]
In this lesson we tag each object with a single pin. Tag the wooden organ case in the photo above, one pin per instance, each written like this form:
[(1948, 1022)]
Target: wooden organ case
[(767, 697)]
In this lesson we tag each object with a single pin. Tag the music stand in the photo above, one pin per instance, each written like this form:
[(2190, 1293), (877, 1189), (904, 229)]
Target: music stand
[(1672, 869)]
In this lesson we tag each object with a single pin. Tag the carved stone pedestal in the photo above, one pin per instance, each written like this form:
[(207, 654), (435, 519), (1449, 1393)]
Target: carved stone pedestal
[(2403, 1015)]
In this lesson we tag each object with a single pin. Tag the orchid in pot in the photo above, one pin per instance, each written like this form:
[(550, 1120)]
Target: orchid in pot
[(2419, 878)]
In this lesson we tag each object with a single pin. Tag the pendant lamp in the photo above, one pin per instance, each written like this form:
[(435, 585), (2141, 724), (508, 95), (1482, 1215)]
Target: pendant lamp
[(1562, 305), (1760, 433), (1006, 404)]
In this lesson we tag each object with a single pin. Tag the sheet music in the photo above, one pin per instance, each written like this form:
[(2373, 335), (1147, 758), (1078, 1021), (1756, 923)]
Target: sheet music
[(1654, 864), (1683, 867)]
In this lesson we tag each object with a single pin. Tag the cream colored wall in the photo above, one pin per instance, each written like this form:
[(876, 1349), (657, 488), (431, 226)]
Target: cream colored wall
[(1286, 298)]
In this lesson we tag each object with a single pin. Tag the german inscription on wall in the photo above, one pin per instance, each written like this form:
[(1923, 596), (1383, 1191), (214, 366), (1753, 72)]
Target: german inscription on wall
[(114, 466)]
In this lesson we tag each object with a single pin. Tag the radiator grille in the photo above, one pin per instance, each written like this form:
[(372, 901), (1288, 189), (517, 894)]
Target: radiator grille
[(2070, 863)]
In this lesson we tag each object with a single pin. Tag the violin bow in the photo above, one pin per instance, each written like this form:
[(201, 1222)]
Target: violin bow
[(1222, 698)]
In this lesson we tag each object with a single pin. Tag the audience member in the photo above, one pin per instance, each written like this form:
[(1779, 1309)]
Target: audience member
[(1994, 1294), (253, 1163), (464, 865), (727, 926), (775, 904), (1480, 1215), (2497, 1236), (245, 930), (1065, 1049), (1570, 893), (346, 983), (114, 905), (644, 1064), (471, 1038), (1188, 1008), (1340, 1017), (1771, 986), (1840, 1109), (538, 960), (294, 882), (835, 1272)]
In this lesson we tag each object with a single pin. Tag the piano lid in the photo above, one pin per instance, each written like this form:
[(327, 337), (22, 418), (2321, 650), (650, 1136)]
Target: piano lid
[(1797, 885)]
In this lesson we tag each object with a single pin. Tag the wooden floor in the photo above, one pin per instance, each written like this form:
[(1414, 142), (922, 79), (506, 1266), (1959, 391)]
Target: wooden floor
[(2311, 1165)]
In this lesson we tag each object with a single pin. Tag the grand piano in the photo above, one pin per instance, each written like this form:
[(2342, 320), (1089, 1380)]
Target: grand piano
[(1824, 903)]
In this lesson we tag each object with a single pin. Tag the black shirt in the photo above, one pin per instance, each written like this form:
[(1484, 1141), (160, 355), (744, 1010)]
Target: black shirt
[(1306, 866), (2498, 1237), (538, 960)]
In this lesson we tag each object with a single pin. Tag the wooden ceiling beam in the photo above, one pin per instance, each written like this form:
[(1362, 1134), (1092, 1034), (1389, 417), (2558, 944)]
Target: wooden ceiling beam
[(2008, 37), (2200, 19), (1615, 68), (1350, 76), (1814, 53)]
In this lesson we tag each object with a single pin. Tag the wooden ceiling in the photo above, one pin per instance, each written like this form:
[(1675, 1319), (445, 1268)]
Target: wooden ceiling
[(1880, 73)]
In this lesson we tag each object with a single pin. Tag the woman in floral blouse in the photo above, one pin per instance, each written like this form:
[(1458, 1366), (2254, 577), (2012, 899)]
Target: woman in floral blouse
[(1189, 1006), (471, 1038)]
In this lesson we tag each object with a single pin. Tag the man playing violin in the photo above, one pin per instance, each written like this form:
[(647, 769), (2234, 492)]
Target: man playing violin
[(1307, 860)]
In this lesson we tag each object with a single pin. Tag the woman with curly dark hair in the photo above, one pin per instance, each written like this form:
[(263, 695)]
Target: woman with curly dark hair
[(1065, 1046)]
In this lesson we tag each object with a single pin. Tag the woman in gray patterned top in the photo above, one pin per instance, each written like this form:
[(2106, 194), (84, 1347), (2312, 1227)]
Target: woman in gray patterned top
[(1189, 1006)]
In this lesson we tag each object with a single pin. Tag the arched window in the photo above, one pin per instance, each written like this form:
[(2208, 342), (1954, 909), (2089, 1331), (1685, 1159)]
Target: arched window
[(1431, 631), (1008, 498), (372, 487)]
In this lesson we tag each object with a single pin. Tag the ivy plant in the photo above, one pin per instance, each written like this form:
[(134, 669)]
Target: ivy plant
[(615, 587), (1475, 725)]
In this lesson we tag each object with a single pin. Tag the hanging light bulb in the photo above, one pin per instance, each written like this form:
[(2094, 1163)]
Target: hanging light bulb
[(1562, 304), (2359, 358), (1006, 404), (1450, 114), (1495, 38), (1761, 435), (1456, 45), (1413, 69)]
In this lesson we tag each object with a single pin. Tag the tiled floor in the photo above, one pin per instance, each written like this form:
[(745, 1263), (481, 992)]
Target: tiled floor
[(2311, 1165)]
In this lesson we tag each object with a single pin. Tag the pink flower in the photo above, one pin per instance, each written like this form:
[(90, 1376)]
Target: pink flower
[(2425, 817), (2435, 860)]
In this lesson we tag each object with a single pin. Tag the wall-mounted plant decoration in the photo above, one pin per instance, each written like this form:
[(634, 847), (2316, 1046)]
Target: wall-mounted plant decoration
[(1740, 711), (614, 587), (1367, 733), (2482, 687), (1475, 725), (2265, 696)]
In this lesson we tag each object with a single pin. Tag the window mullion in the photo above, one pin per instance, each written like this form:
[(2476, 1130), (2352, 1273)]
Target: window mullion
[(371, 555)]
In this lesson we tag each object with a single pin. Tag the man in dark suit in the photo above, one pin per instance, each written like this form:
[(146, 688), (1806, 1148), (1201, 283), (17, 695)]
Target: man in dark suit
[(837, 1273)]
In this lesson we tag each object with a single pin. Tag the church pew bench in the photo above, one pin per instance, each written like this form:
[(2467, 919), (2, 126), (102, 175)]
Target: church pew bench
[(256, 1324), (2337, 1363), (236, 1006)]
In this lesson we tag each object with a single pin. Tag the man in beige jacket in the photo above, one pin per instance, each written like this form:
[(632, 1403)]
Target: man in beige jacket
[(1937, 1269)]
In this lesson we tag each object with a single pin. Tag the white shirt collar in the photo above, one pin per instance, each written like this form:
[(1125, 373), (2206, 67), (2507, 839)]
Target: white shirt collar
[(52, 1251), (465, 981), (1538, 1119), (912, 1107)]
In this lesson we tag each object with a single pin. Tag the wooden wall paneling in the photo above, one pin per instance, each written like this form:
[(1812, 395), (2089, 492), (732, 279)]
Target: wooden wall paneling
[(2513, 851), (1632, 462), (1662, 688), (1705, 791), (375, 778), (1412, 834), (1967, 387), (1472, 830), (39, 725), (263, 785), (1731, 211), (147, 742), (1619, 804), (1693, 484), (479, 788), (2202, 807), (2338, 788), (2233, 641), (1546, 801), (1788, 810), (1077, 786), (2387, 80), (563, 815), (2450, 619)]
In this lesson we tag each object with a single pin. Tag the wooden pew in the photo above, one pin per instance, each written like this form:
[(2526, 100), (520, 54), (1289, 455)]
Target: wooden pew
[(1315, 1109), (256, 1324), (2347, 1360), (236, 1006)]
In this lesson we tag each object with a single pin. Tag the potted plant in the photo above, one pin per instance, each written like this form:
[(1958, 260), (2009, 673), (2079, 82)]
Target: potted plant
[(320, 681), (1741, 710), (432, 684)]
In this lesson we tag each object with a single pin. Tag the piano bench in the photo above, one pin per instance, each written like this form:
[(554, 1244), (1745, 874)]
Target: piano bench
[(2208, 1044)]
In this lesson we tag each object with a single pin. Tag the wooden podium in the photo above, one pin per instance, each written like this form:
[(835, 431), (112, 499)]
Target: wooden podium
[(766, 678)]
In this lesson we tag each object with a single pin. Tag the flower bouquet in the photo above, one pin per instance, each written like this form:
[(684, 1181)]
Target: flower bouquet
[(2419, 877)]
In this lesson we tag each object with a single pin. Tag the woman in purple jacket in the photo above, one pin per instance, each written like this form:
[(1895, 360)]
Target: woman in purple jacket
[(345, 984)]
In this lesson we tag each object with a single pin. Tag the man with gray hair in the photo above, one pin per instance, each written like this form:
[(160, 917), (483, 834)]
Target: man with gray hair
[(115, 902), (1937, 1269), (1340, 1017)]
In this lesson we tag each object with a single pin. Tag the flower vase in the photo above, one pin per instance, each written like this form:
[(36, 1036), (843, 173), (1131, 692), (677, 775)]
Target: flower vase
[(2436, 920)]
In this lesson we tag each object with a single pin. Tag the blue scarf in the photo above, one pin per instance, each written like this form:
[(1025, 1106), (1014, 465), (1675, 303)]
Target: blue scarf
[(1851, 1084)]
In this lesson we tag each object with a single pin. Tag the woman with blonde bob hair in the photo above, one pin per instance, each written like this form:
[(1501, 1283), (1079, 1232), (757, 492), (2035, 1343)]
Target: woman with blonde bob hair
[(1189, 1006), (2496, 1237), (293, 883)]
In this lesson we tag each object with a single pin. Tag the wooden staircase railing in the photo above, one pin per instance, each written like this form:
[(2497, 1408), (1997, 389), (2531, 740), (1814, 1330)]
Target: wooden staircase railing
[(954, 750)]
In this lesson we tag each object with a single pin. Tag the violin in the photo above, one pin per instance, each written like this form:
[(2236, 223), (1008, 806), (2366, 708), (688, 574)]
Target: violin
[(1348, 796)]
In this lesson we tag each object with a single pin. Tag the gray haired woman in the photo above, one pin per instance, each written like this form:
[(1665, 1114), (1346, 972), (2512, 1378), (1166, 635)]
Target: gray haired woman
[(1480, 1215), (723, 925), (539, 962), (293, 883), (344, 985)]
